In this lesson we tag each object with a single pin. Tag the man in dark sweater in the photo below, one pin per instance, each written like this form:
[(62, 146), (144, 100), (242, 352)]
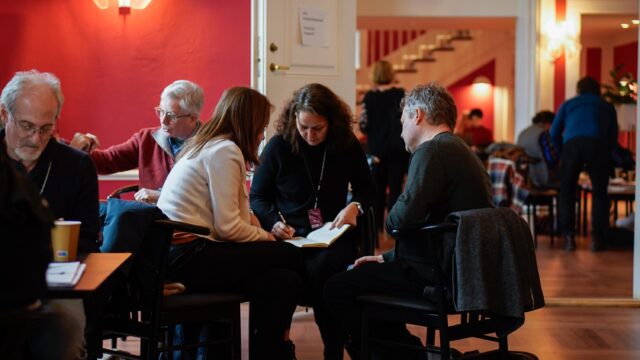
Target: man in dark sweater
[(444, 176), (66, 178)]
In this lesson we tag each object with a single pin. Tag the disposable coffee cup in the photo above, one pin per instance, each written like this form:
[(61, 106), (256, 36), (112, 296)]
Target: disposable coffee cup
[(64, 240), (618, 172), (631, 175)]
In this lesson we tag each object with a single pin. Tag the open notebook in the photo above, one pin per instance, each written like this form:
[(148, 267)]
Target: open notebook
[(64, 274), (322, 237)]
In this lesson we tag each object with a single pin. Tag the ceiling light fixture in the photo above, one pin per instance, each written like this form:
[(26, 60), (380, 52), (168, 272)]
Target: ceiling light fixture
[(624, 26)]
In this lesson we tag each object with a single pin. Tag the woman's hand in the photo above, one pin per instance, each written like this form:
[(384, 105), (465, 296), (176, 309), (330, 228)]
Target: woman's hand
[(348, 215), (366, 259), (282, 231), (147, 195)]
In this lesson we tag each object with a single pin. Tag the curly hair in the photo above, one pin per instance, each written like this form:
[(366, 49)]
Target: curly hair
[(319, 100)]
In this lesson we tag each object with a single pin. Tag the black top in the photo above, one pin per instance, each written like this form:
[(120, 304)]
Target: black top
[(382, 125), (444, 176), (282, 183), (71, 188), (25, 222)]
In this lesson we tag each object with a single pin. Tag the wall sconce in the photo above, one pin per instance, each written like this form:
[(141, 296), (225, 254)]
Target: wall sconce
[(482, 80), (125, 6), (560, 38)]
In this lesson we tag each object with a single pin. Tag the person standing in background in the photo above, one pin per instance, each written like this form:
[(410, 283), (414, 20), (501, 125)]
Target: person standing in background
[(380, 120), (585, 130)]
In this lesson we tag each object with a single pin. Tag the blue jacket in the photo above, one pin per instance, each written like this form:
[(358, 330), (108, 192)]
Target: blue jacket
[(585, 115)]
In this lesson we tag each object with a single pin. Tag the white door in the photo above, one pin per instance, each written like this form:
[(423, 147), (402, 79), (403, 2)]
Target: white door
[(284, 60)]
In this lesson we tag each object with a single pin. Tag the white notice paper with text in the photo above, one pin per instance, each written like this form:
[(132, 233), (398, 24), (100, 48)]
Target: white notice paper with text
[(313, 27)]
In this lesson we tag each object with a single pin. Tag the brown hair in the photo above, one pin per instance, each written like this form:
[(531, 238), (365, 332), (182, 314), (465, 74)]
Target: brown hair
[(240, 116), (318, 100), (382, 73)]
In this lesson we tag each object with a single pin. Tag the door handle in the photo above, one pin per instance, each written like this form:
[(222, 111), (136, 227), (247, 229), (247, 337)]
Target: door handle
[(274, 67)]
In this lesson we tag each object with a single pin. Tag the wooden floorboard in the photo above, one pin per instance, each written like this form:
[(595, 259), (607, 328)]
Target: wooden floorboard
[(573, 327)]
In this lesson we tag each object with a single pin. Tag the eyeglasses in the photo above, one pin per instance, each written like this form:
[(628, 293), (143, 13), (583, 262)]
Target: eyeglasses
[(173, 117), (31, 129)]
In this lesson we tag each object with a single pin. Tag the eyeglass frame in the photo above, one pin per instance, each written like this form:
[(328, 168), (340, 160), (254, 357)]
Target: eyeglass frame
[(31, 128), (173, 117)]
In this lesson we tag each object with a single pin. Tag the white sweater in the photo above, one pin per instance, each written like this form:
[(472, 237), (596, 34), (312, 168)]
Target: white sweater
[(210, 190)]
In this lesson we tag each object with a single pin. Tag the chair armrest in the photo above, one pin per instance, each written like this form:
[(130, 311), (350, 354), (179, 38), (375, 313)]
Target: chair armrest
[(182, 226), (125, 189), (425, 230)]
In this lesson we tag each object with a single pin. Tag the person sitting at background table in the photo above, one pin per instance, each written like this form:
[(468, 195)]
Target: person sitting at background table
[(151, 150), (537, 143), (207, 187), (305, 172), (66, 178)]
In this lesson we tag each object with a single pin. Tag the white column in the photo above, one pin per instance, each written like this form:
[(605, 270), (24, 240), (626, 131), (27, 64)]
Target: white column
[(525, 65)]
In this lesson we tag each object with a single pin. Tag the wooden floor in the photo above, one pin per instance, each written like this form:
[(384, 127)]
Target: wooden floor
[(553, 332)]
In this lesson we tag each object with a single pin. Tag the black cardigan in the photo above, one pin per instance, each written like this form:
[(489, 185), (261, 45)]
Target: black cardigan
[(282, 183)]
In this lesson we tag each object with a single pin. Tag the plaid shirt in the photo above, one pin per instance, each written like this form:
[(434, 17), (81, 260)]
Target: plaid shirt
[(509, 187)]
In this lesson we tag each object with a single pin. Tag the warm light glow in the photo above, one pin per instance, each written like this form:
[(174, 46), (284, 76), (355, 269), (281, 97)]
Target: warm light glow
[(481, 80), (481, 89), (624, 26), (635, 21), (133, 4), (560, 38)]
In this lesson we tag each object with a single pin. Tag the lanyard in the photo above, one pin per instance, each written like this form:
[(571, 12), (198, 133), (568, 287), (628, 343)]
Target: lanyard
[(306, 165), (46, 178)]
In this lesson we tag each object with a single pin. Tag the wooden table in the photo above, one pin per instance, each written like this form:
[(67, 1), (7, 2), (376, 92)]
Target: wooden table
[(625, 192), (94, 289), (100, 267)]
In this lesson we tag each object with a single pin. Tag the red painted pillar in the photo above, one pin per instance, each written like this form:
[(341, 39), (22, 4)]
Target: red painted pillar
[(559, 65)]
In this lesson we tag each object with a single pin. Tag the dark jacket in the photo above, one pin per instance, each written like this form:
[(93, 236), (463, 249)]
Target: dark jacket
[(68, 181), (25, 223), (494, 263)]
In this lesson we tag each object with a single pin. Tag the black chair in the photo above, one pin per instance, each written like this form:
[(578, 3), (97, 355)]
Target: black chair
[(438, 302), (368, 237), (542, 197), (139, 308)]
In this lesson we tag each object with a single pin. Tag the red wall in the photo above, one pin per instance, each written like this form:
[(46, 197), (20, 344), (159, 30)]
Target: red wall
[(594, 63), (113, 67), (627, 54), (468, 97)]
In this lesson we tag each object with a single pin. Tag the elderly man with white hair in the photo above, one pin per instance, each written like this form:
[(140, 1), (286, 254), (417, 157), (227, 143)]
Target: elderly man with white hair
[(151, 150), (66, 178)]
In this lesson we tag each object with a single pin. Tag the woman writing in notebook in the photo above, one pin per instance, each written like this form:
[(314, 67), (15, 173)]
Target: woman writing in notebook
[(207, 187), (303, 181)]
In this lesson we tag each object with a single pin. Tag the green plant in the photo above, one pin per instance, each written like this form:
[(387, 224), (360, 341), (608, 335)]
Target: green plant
[(623, 88)]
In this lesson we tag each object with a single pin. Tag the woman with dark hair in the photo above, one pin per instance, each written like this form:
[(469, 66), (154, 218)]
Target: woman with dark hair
[(303, 181), (207, 187), (380, 120)]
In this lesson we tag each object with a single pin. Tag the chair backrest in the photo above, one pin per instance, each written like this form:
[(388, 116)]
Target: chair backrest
[(368, 237), (132, 226)]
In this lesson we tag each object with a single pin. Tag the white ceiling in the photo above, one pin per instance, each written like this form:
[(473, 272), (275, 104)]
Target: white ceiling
[(419, 23)]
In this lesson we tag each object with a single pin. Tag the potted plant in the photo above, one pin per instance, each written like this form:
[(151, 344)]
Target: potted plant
[(623, 94)]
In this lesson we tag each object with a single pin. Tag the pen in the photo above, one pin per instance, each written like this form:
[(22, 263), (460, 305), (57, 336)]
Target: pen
[(282, 218)]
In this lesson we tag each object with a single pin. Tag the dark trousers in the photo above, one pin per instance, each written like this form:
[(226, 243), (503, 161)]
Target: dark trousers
[(389, 172), (266, 271), (44, 333), (391, 278), (577, 154), (320, 265)]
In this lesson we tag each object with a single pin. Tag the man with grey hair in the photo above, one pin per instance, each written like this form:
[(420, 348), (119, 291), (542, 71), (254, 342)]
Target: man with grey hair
[(444, 176), (66, 178), (152, 150)]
